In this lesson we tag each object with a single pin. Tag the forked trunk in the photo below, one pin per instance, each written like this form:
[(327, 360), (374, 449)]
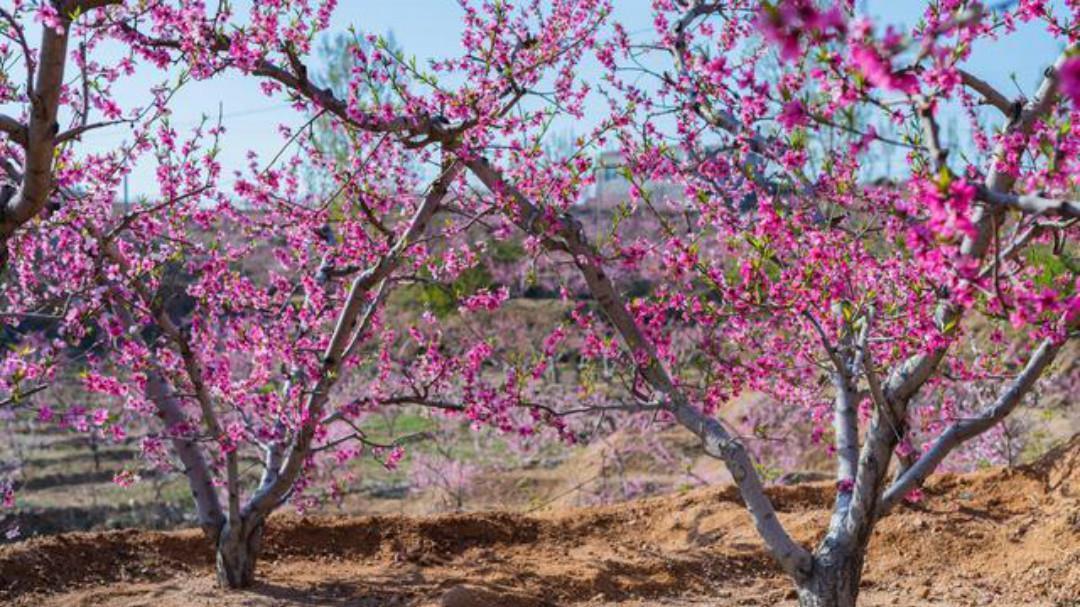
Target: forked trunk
[(833, 583), (237, 550)]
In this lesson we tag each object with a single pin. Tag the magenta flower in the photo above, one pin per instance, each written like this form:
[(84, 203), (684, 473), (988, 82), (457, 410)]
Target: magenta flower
[(100, 417), (125, 478), (1070, 79), (878, 71), (793, 115), (45, 414), (788, 22)]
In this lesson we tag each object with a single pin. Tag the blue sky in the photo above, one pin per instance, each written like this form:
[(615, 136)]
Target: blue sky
[(429, 28)]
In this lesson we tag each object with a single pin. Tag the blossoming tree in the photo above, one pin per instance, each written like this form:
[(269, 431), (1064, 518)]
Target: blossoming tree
[(868, 284), (220, 322), (783, 261)]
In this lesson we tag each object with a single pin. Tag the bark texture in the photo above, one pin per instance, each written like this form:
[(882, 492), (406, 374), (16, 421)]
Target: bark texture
[(834, 579), (238, 550)]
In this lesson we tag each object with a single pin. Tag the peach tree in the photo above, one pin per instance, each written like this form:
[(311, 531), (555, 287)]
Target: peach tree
[(902, 312)]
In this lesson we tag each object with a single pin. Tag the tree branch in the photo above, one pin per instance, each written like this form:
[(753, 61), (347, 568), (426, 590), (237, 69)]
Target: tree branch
[(906, 379), (78, 131), (16, 131), (269, 496), (196, 469), (968, 428), (990, 95), (1029, 203), (793, 558), (200, 479), (40, 132)]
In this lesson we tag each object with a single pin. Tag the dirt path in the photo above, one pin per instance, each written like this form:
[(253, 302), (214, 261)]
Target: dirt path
[(991, 538)]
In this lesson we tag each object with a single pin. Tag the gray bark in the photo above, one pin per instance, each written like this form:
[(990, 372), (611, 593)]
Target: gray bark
[(196, 470), (966, 429), (834, 579), (277, 486), (238, 549), (846, 426), (793, 558)]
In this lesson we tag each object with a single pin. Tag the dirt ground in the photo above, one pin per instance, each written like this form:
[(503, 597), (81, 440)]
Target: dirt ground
[(998, 537)]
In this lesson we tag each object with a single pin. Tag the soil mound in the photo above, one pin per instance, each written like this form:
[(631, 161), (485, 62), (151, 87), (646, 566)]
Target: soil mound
[(995, 537)]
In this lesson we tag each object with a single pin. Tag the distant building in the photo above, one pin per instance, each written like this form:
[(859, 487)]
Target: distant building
[(612, 189), (612, 186)]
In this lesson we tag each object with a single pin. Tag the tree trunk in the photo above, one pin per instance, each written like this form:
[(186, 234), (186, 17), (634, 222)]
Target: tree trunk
[(238, 548), (833, 583)]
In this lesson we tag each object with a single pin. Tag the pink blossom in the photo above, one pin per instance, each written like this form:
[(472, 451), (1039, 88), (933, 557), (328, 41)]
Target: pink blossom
[(394, 457), (1070, 79), (914, 496), (125, 478), (50, 17), (793, 115), (485, 299), (717, 70), (786, 23), (100, 417), (879, 72)]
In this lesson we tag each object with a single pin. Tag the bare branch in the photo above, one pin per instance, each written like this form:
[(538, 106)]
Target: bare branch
[(15, 130), (826, 343), (931, 136), (1030, 204), (78, 131), (20, 396), (990, 95), (362, 438), (968, 428)]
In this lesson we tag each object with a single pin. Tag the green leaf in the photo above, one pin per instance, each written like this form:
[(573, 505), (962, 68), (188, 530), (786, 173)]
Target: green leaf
[(944, 178), (847, 310)]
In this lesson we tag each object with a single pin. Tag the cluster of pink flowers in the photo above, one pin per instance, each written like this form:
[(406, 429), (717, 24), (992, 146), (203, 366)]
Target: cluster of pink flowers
[(755, 247), (788, 22)]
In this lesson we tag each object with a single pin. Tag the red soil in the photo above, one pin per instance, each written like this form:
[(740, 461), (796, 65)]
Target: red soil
[(998, 537)]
